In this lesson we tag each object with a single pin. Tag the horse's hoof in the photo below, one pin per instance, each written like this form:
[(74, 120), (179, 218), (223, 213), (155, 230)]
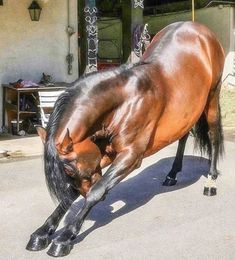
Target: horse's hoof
[(37, 243), (169, 181), (210, 191), (58, 250)]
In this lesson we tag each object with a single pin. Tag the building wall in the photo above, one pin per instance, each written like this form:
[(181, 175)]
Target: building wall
[(27, 49)]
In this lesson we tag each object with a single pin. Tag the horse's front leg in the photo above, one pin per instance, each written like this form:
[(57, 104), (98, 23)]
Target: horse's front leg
[(124, 163), (40, 238)]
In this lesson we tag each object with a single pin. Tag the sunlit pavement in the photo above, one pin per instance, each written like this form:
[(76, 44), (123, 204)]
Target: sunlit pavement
[(139, 220)]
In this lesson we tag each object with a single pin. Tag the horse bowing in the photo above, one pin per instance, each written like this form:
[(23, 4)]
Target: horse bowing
[(117, 117)]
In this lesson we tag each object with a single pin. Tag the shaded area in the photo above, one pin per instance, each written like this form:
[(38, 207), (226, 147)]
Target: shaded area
[(139, 189)]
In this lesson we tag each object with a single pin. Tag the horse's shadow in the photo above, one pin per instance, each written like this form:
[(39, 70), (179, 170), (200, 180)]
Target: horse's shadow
[(139, 189)]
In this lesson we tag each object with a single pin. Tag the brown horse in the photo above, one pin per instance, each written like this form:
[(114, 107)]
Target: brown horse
[(120, 116)]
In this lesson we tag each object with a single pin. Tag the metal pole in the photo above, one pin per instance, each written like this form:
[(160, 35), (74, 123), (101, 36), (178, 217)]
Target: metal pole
[(70, 32), (193, 11)]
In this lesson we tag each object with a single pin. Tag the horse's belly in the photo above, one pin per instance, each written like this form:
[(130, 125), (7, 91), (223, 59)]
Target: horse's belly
[(173, 125)]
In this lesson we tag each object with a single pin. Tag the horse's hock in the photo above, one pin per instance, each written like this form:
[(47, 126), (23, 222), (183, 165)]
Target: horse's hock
[(227, 102)]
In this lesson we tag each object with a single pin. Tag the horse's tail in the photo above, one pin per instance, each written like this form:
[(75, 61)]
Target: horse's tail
[(58, 182), (200, 132), (202, 139)]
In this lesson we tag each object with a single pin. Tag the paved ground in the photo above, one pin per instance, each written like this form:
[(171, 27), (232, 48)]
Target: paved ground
[(227, 101), (139, 220), (20, 147)]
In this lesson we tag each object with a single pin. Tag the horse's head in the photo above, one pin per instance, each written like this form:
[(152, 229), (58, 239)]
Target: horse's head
[(81, 160)]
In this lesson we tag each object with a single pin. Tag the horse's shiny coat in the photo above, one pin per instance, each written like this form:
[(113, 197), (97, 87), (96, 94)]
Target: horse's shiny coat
[(120, 116)]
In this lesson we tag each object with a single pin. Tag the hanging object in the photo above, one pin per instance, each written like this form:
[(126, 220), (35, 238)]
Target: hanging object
[(70, 59), (1, 2), (137, 40), (139, 3), (141, 39), (145, 37), (70, 56), (70, 32), (92, 36), (34, 11)]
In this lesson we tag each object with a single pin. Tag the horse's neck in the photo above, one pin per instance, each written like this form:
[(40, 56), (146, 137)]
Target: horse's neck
[(86, 115)]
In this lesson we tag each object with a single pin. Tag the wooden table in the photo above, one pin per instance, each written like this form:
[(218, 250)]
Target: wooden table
[(11, 102)]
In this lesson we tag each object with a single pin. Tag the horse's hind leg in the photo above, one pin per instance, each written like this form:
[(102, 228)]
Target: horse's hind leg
[(177, 164), (40, 239), (215, 134)]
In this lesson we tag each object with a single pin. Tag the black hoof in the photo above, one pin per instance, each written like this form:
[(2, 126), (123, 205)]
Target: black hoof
[(169, 181), (58, 250), (210, 191), (38, 243)]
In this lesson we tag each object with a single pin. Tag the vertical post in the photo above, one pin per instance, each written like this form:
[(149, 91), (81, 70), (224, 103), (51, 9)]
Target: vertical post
[(70, 32), (132, 13), (82, 44), (193, 11), (90, 11)]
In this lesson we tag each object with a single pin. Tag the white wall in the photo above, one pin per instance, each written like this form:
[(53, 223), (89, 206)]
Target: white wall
[(29, 48)]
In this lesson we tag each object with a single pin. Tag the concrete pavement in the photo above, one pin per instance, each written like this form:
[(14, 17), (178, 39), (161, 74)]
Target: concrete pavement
[(139, 220), (20, 147)]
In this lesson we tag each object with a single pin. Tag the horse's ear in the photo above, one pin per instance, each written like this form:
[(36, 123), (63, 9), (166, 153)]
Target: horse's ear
[(67, 144), (42, 133)]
